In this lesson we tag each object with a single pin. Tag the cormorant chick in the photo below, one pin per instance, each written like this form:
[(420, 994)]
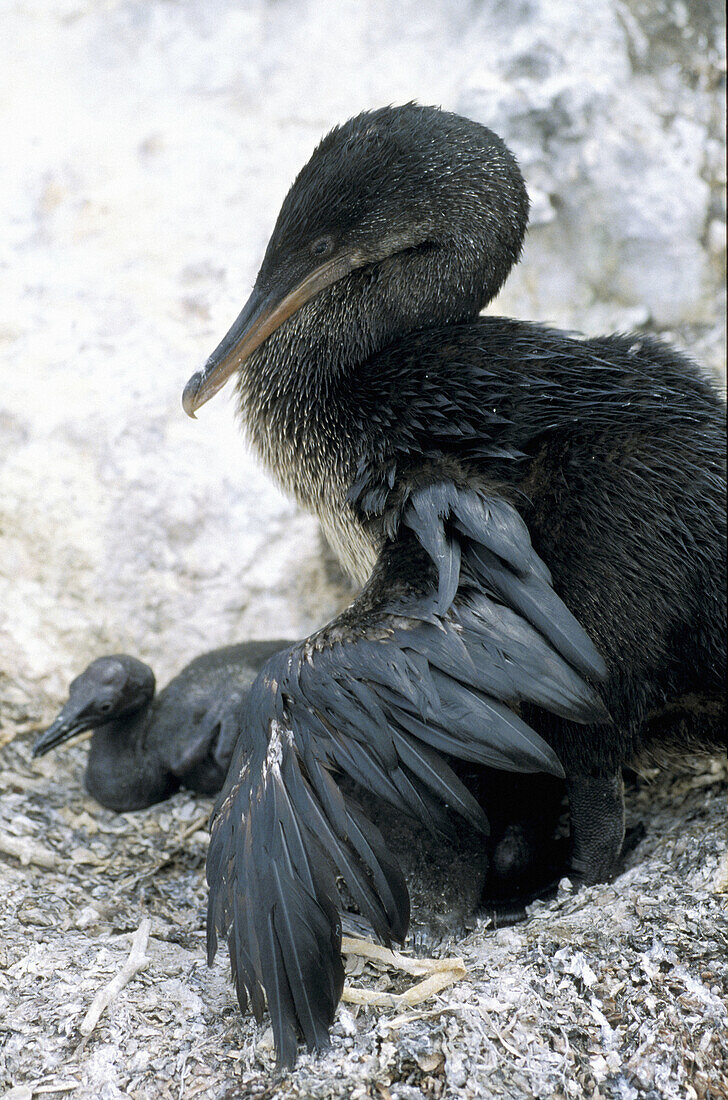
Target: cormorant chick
[(537, 521), (144, 747)]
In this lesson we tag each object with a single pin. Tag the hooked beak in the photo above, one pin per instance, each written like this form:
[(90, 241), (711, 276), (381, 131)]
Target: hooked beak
[(261, 315), (74, 718)]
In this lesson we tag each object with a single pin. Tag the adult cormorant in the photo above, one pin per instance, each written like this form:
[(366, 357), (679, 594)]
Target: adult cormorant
[(537, 521), (146, 747)]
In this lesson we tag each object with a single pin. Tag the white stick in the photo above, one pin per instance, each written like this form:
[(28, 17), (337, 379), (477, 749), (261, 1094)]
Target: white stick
[(351, 945), (439, 974), (137, 961), (417, 993), (28, 851)]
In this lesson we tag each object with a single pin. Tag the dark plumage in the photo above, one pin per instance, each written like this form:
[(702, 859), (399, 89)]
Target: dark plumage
[(537, 521), (145, 747)]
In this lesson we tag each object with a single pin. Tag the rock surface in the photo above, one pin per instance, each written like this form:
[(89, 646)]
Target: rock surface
[(147, 147)]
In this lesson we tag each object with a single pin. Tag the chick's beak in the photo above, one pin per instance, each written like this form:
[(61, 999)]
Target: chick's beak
[(73, 719), (262, 314)]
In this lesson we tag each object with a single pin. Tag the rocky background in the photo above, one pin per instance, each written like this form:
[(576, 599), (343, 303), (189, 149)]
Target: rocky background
[(147, 145)]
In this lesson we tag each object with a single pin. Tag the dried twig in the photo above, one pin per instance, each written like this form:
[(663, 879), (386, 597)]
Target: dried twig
[(394, 1023), (500, 1036), (28, 851), (137, 961), (440, 973), (413, 996), (62, 1086), (419, 968)]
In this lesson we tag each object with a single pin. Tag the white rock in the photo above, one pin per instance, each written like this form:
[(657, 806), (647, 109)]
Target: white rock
[(156, 143)]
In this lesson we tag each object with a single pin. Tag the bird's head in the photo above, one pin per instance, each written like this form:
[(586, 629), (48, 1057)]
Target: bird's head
[(110, 688), (403, 218)]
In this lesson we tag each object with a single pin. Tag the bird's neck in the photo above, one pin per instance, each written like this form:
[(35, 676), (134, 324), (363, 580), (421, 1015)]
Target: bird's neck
[(294, 419), (120, 773), (298, 400), (300, 392)]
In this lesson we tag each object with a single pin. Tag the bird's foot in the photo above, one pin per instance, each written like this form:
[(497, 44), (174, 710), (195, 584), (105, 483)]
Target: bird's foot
[(582, 873)]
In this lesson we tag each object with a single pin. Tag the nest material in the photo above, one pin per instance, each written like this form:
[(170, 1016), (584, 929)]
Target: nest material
[(617, 991)]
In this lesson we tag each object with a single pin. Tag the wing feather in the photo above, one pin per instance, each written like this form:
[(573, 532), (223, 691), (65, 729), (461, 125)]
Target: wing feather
[(458, 626)]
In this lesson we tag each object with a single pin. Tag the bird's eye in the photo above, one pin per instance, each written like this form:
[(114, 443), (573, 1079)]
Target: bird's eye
[(105, 707), (322, 246)]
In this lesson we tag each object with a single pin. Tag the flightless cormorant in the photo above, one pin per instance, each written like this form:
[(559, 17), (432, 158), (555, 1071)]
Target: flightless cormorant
[(537, 520), (146, 746)]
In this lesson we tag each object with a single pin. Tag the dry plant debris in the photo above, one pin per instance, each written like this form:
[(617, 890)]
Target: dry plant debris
[(137, 961), (437, 975)]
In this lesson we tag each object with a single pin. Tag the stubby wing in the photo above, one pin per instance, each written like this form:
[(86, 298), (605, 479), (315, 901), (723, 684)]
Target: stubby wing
[(281, 833), (458, 624)]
